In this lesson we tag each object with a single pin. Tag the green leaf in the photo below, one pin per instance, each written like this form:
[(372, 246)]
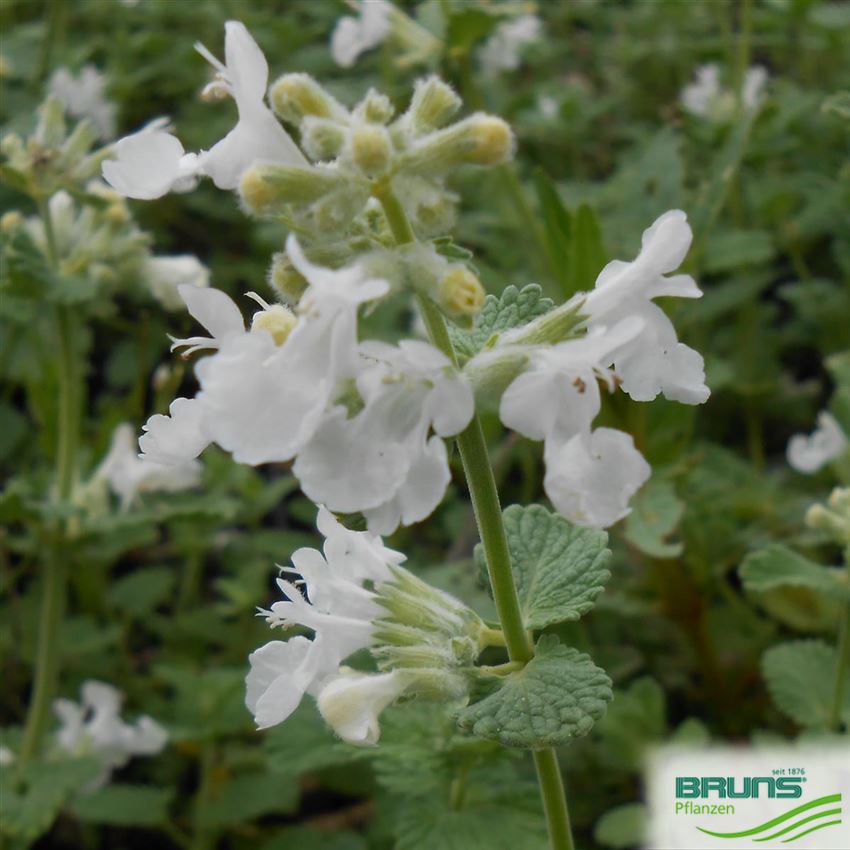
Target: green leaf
[(800, 677), (556, 697), (142, 591), (622, 827), (124, 805), (512, 309), (587, 251), (656, 512), (557, 225), (248, 797), (778, 566), (560, 568), (635, 720), (31, 804), (307, 838)]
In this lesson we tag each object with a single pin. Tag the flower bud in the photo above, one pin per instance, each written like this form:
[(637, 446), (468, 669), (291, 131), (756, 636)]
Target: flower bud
[(434, 103), (371, 149), (276, 320), (268, 188), (461, 293), (375, 108), (51, 123), (833, 523), (286, 279), (11, 221), (295, 96), (321, 138), (477, 140)]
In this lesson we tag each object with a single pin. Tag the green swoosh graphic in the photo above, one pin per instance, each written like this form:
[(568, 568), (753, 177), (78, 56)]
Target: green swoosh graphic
[(830, 798), (799, 823), (813, 829)]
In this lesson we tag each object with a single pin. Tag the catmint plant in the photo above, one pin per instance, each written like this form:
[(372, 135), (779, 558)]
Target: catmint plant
[(366, 198)]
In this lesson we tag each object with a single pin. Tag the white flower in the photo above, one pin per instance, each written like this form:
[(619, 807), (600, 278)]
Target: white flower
[(754, 82), (697, 97), (558, 395), (590, 478), (84, 96), (502, 50), (351, 702), (128, 475), (338, 609), (353, 36), (174, 439), (808, 453), (7, 757), (654, 361), (94, 727), (152, 162), (165, 274), (381, 460)]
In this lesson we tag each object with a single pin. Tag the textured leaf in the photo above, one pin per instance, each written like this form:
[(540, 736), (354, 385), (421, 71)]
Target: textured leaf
[(622, 827), (557, 224), (656, 512), (512, 309), (778, 566), (560, 568), (587, 252), (800, 677), (556, 697), (141, 591), (29, 808), (124, 805)]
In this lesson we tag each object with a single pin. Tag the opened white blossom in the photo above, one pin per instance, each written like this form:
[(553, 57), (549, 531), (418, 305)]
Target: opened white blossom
[(165, 274), (152, 162), (93, 727), (382, 460), (397, 616), (503, 49), (84, 96), (654, 361), (129, 475), (808, 453), (265, 390), (355, 35)]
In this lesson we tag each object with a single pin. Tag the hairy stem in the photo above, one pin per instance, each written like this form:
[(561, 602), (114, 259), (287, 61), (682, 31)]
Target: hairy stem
[(842, 662), (488, 516), (56, 567)]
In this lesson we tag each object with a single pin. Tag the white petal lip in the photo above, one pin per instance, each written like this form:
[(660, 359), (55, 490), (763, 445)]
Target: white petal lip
[(214, 309)]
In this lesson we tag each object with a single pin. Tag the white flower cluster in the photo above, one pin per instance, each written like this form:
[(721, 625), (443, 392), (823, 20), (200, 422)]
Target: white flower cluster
[(630, 343), (808, 453), (93, 727), (420, 636), (355, 35), (706, 98), (279, 391)]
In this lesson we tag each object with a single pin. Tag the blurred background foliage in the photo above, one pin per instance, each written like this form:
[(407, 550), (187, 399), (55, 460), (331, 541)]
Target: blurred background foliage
[(163, 596)]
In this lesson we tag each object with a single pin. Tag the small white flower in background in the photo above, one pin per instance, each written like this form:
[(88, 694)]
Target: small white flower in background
[(381, 461), (502, 50), (94, 727), (547, 105), (128, 475), (331, 598), (7, 757), (706, 98), (165, 274), (152, 162), (355, 35), (84, 96), (809, 453)]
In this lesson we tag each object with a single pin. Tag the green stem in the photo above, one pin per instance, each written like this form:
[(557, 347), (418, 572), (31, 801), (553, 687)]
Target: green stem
[(842, 662), (56, 572), (488, 516)]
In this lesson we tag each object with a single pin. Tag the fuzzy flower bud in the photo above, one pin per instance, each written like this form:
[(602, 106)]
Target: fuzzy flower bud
[(478, 140), (371, 149), (434, 103), (286, 279), (295, 96), (375, 108), (322, 138), (11, 221), (461, 292), (268, 188)]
